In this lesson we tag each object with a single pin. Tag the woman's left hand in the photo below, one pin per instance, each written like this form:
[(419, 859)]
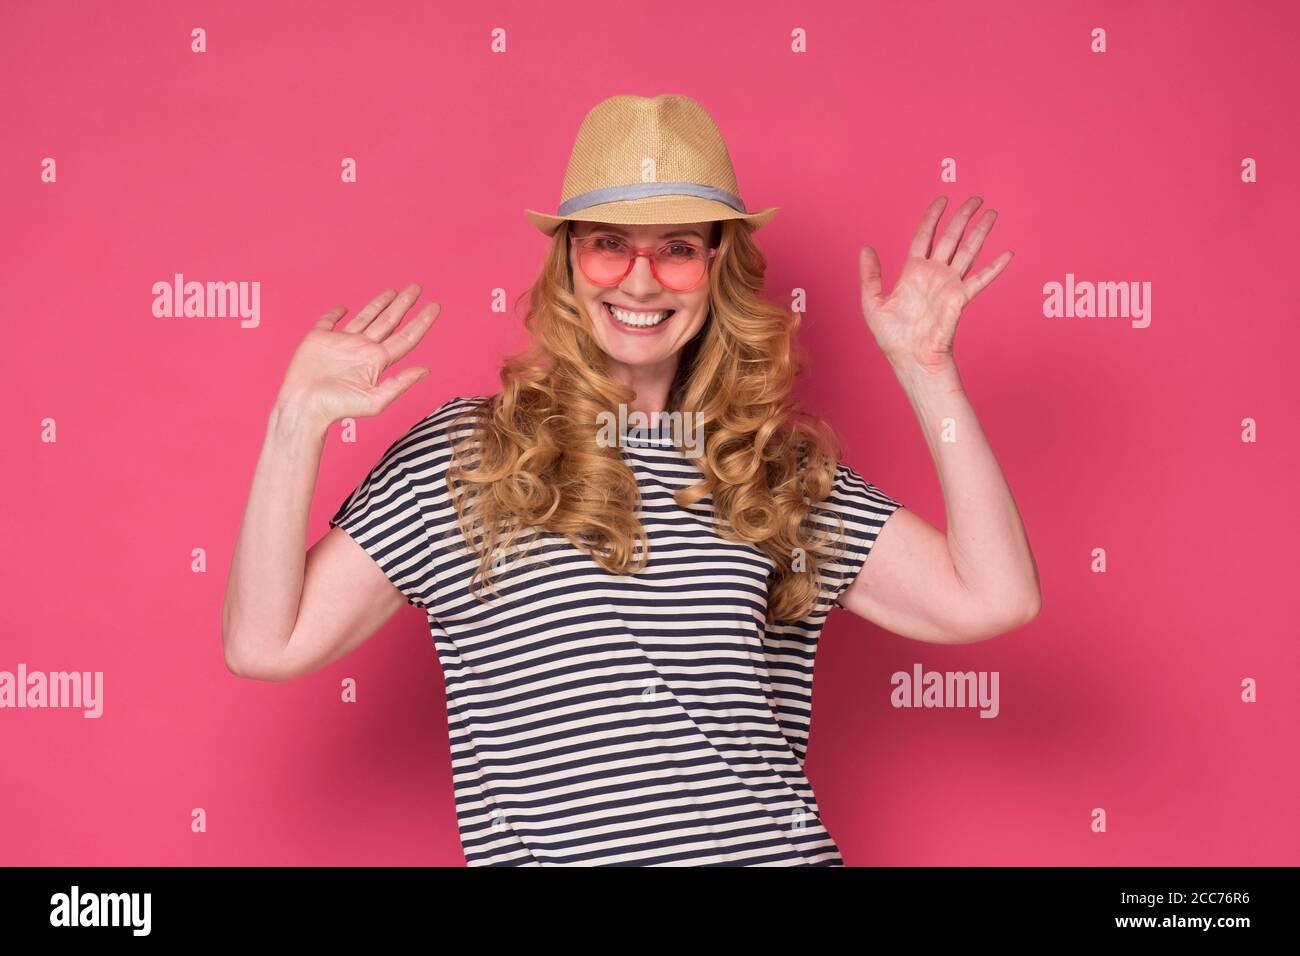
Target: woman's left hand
[(915, 324)]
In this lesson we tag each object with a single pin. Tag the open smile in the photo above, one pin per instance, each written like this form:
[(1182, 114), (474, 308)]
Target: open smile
[(637, 320)]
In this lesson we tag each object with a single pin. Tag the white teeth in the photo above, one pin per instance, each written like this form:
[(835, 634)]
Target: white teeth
[(638, 319)]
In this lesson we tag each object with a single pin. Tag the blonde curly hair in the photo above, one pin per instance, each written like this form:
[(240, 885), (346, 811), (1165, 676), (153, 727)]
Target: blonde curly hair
[(529, 460)]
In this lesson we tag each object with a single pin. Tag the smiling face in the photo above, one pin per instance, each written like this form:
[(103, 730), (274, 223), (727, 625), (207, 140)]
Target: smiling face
[(639, 323)]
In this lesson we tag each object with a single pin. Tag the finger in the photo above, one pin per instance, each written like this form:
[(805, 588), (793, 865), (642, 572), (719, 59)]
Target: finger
[(386, 391), (405, 339), (328, 320), (979, 280), (956, 226), (925, 231), (869, 273), (372, 309), (971, 247), (387, 320)]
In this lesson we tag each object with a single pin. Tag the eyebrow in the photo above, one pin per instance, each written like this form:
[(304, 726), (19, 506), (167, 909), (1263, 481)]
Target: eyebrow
[(610, 227)]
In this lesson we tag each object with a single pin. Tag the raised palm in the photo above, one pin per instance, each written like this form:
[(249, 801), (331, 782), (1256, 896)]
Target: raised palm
[(917, 321), (334, 373)]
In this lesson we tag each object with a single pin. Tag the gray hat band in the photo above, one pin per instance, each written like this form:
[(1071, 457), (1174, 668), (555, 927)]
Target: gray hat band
[(644, 190)]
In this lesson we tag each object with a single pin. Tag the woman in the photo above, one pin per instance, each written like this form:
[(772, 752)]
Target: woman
[(626, 618)]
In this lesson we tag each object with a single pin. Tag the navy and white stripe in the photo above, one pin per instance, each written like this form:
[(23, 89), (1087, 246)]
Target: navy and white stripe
[(616, 720)]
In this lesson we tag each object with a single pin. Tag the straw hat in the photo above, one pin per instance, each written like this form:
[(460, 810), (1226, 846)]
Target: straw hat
[(648, 160)]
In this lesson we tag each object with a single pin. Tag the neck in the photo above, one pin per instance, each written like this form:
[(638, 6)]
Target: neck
[(650, 383)]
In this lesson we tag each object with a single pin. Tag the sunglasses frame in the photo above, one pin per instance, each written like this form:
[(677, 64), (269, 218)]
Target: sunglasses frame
[(650, 252)]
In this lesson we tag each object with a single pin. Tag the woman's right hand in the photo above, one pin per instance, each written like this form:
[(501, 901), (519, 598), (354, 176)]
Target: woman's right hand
[(334, 373)]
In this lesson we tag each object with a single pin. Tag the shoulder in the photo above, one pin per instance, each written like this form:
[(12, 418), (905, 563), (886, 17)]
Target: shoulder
[(452, 416), (855, 501), (833, 487), (423, 452), (442, 426), (852, 490)]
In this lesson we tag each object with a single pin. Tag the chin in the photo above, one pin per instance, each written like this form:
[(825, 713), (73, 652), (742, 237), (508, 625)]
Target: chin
[(632, 355)]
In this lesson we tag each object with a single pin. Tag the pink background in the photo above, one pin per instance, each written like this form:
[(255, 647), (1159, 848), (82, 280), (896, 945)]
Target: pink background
[(1124, 694)]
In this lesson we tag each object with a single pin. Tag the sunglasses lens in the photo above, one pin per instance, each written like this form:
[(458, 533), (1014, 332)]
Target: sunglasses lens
[(680, 265), (603, 258)]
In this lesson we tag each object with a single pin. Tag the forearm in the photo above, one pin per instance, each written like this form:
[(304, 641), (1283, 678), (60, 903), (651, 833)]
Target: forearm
[(267, 568), (986, 540)]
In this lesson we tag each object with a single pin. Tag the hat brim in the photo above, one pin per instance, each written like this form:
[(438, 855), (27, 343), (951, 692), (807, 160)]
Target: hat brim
[(654, 211)]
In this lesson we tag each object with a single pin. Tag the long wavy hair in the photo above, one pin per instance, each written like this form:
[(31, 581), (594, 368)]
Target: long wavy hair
[(529, 461)]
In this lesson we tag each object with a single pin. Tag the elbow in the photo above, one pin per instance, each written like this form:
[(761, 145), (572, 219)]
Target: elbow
[(1032, 607), (236, 664), (239, 653), (229, 643), (1019, 612), (240, 663), (998, 618)]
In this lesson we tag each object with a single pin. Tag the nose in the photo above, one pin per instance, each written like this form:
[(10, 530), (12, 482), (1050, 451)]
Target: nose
[(641, 280)]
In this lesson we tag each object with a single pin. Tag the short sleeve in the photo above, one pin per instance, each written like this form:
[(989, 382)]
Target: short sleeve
[(851, 516), (387, 512)]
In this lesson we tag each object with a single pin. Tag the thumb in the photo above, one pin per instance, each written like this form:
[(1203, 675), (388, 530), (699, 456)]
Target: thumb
[(388, 390), (869, 273)]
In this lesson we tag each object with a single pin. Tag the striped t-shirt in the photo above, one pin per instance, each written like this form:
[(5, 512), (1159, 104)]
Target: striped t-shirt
[(616, 720)]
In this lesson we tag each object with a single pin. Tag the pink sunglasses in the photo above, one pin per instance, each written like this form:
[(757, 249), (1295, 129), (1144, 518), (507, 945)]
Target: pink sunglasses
[(606, 260)]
